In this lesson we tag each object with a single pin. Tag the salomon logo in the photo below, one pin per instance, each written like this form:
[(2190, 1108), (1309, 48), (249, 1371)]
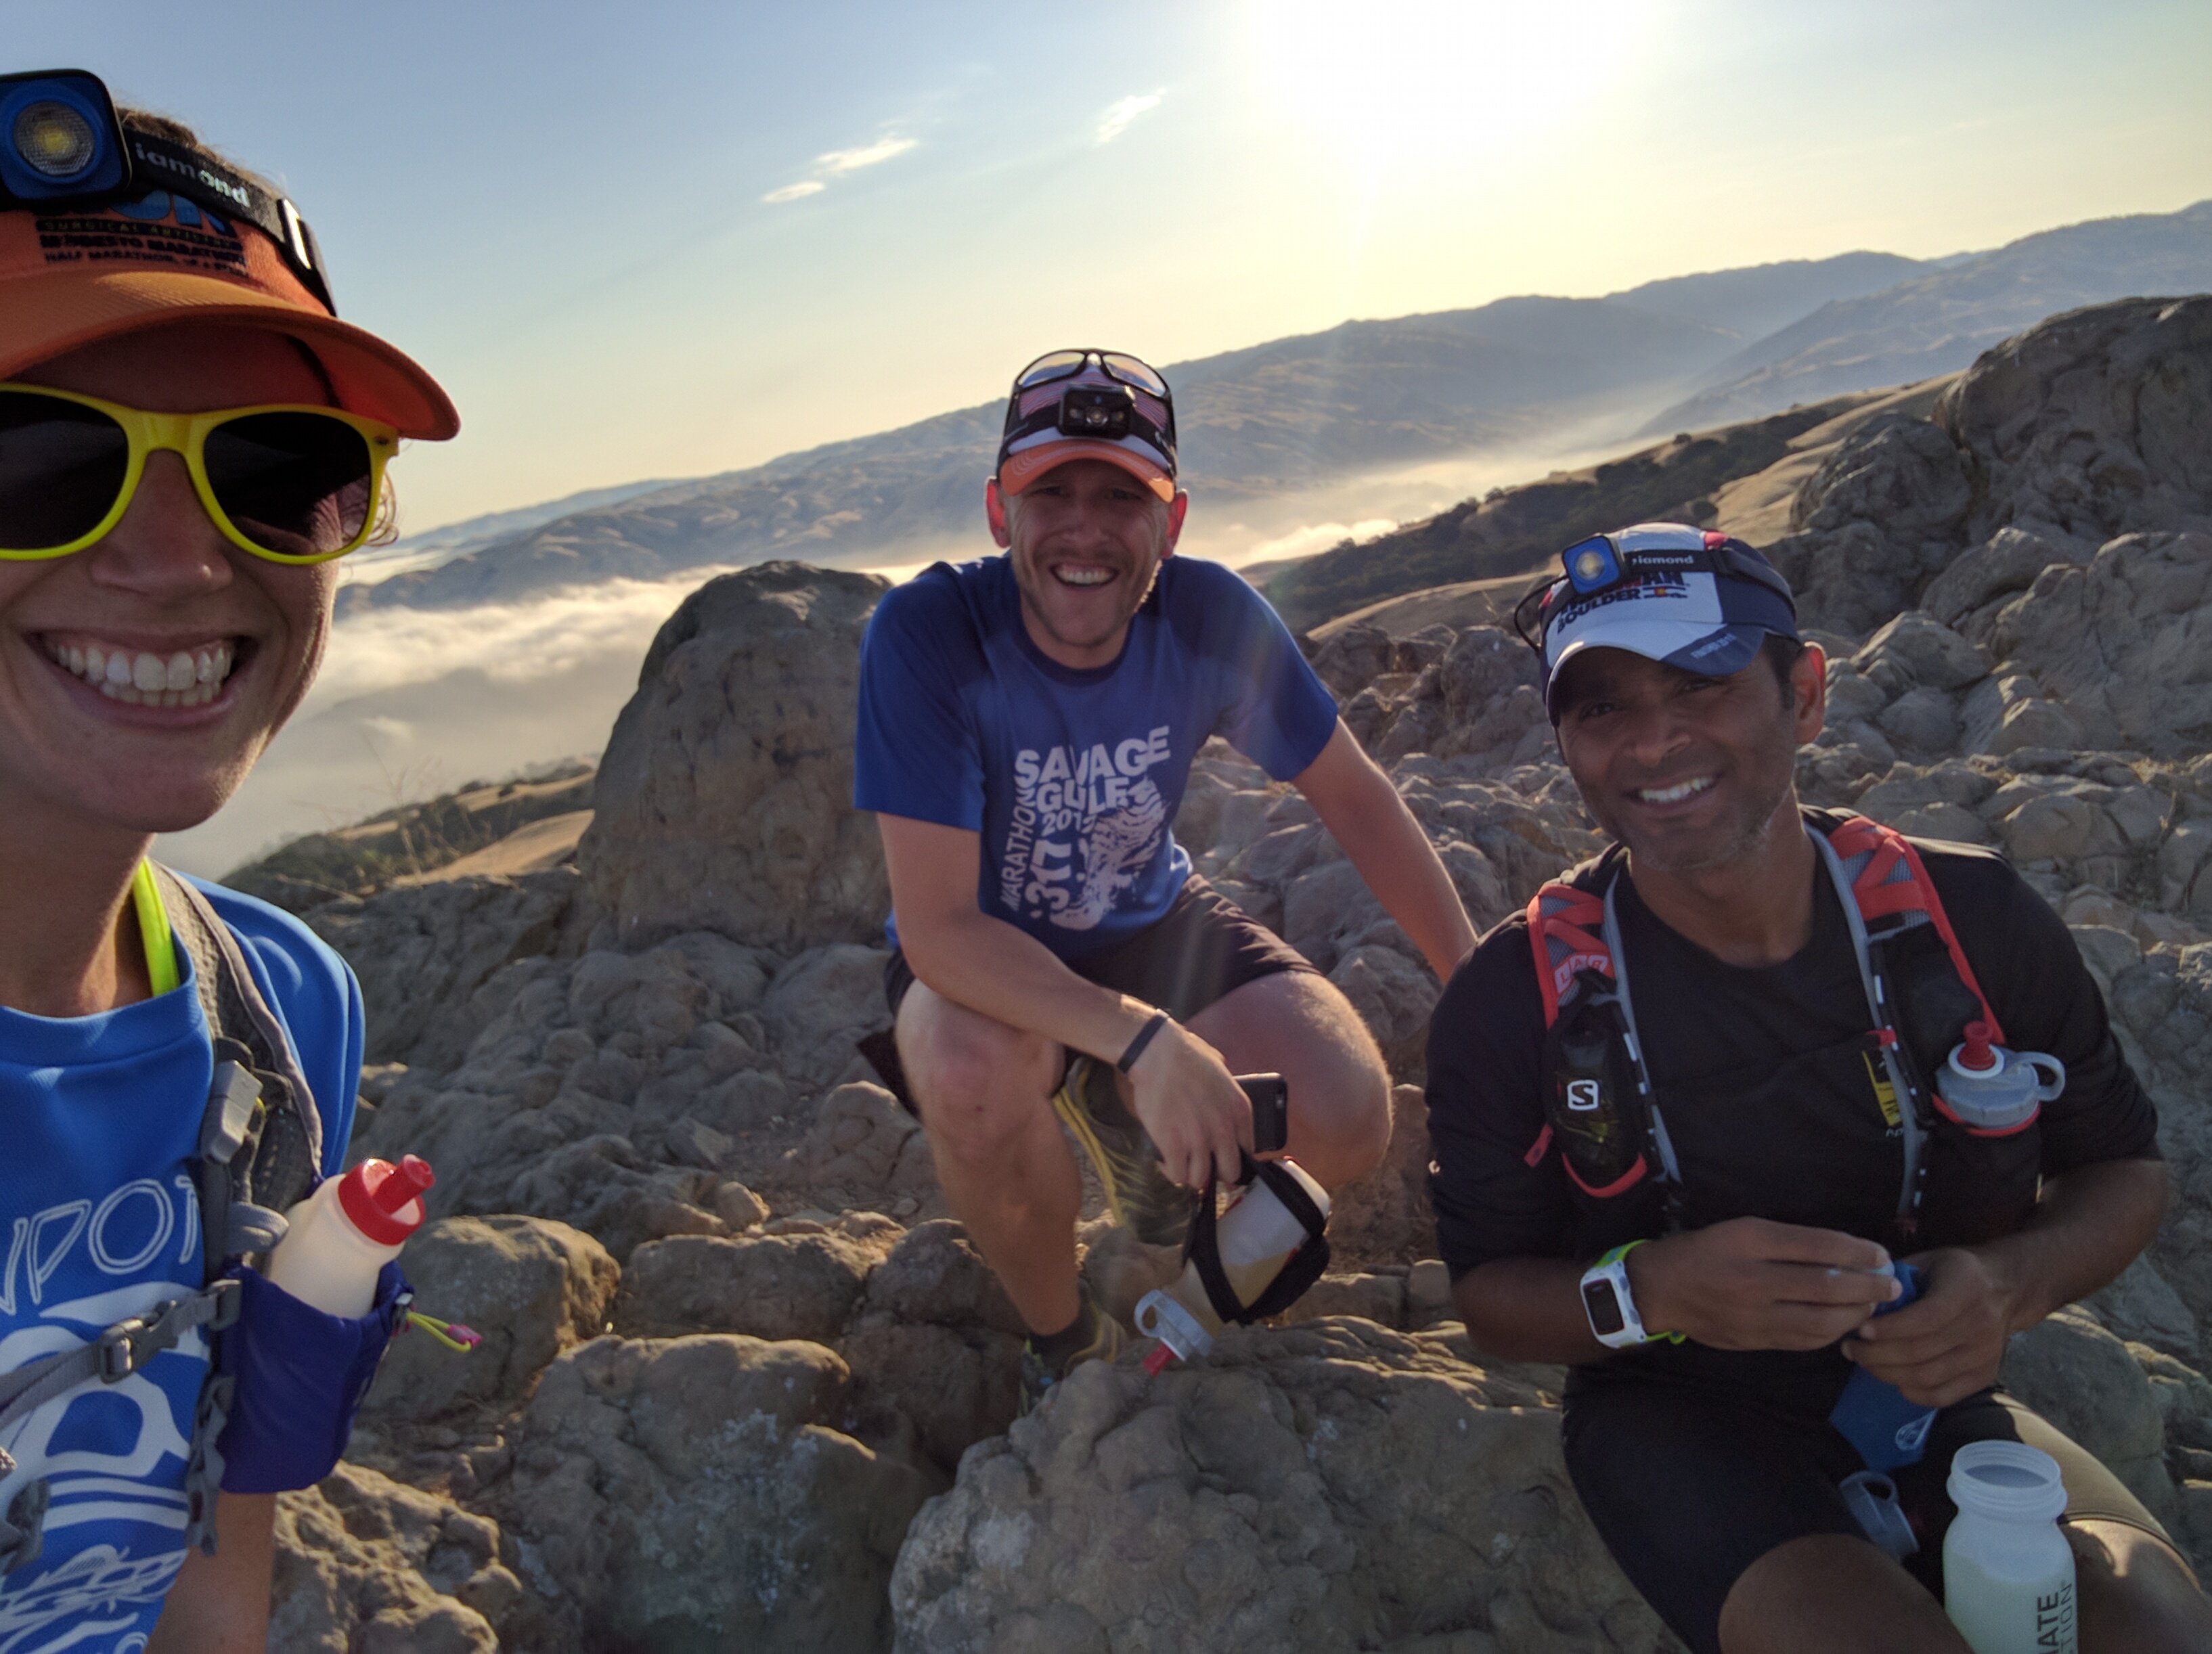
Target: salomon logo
[(1582, 1095)]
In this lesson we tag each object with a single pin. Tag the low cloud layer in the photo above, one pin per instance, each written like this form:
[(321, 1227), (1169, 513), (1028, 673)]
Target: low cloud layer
[(414, 703)]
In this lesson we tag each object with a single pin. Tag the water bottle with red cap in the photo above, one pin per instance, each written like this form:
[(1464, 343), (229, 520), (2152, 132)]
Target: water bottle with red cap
[(1992, 1092), (347, 1230)]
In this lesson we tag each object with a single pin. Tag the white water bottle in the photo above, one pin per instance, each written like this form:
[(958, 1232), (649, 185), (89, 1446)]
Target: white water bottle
[(341, 1236), (2008, 1572), (1257, 1235)]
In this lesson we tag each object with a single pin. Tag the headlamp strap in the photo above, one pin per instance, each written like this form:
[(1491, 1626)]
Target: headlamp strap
[(156, 163)]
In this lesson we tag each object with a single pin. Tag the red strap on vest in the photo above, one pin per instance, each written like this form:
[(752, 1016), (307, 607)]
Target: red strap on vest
[(1881, 894), (1566, 933)]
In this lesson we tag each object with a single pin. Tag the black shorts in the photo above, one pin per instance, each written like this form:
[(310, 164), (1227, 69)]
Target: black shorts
[(1689, 1486), (1202, 948)]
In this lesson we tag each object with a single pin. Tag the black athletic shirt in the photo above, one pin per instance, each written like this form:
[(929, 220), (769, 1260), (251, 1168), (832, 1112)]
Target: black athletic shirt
[(1820, 1156)]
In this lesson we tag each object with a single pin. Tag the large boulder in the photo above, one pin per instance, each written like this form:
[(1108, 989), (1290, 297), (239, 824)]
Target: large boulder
[(688, 1494), (1330, 1486), (368, 1566), (2084, 1381), (1874, 523), (2092, 424), (530, 1287), (724, 798)]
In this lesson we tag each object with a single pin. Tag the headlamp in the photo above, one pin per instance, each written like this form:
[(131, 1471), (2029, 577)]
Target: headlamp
[(1593, 565), (62, 148), (1100, 411), (60, 139)]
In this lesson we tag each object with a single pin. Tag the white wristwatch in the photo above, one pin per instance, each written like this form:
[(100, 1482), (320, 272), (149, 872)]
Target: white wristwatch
[(1608, 1303)]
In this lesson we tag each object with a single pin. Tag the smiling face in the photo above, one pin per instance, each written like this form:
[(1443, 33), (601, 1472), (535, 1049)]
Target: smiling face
[(1085, 539), (1690, 773), (141, 677)]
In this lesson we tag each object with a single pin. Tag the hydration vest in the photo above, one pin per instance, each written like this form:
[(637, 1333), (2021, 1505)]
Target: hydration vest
[(1601, 1110), (260, 1152)]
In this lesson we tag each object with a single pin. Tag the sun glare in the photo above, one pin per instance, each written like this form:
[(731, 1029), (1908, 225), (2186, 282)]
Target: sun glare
[(1397, 85)]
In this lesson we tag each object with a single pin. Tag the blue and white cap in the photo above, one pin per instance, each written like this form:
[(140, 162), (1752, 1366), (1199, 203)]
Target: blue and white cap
[(1693, 599)]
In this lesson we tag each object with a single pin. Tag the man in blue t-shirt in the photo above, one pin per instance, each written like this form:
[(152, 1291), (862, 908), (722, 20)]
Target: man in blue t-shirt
[(188, 437), (1026, 727)]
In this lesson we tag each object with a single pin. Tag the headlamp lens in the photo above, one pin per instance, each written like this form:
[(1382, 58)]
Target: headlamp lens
[(1592, 565), (54, 140)]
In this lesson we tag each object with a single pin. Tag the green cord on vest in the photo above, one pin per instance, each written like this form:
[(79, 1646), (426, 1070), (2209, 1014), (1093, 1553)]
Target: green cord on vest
[(153, 929)]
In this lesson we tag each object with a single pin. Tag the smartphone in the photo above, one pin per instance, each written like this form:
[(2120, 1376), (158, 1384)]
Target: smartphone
[(1270, 1098)]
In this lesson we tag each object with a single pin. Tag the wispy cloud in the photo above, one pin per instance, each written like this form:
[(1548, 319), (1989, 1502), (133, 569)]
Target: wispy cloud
[(837, 164), (1117, 118)]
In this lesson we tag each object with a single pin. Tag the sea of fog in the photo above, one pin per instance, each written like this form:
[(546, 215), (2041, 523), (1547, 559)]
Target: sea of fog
[(416, 703)]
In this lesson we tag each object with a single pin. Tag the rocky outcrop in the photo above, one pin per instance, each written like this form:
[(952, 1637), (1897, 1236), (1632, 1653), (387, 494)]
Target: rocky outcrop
[(368, 1566), (724, 800), (692, 1492), (2093, 424), (1263, 1501), (734, 1344), (423, 952)]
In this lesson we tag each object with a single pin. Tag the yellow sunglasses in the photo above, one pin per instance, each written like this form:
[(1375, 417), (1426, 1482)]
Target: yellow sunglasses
[(291, 483)]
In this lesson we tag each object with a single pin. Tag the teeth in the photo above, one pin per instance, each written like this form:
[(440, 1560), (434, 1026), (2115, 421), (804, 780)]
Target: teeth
[(187, 678), (1083, 576), (1676, 793)]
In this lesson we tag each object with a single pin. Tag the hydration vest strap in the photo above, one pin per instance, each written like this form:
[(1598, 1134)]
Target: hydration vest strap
[(118, 1352), (1566, 931), (1892, 881), (1620, 1185)]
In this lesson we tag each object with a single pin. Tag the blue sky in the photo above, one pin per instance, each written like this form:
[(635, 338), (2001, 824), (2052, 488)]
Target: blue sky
[(666, 240)]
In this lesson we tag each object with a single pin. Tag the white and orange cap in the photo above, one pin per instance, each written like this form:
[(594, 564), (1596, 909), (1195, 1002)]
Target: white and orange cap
[(1103, 405)]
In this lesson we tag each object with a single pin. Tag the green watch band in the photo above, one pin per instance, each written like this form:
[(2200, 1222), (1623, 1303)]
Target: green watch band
[(1615, 1256)]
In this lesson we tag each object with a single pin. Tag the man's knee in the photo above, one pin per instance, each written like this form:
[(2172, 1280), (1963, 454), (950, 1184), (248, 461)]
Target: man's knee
[(977, 1084), (1301, 1025)]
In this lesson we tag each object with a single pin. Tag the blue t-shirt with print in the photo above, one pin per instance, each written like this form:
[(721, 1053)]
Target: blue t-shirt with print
[(99, 1181), (1072, 775)]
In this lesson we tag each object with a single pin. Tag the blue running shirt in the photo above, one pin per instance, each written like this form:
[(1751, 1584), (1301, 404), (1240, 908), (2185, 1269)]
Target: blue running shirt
[(101, 1116), (1073, 776)]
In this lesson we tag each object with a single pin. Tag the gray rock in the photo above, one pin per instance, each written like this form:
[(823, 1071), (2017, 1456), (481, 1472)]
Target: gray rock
[(2082, 1379), (1261, 1501), (422, 952), (724, 798), (819, 1005), (864, 1146), (368, 1566), (2007, 562), (774, 1286), (689, 1492), (532, 1288), (1927, 654), (2097, 424)]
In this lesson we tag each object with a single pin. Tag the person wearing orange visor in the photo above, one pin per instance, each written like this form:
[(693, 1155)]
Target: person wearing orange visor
[(189, 438)]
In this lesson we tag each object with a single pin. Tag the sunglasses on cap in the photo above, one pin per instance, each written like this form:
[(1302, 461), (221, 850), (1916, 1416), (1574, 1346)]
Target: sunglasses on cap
[(1603, 563), (288, 483), (1067, 364)]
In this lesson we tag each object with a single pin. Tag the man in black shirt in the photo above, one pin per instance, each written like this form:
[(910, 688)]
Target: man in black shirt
[(1752, 1206)]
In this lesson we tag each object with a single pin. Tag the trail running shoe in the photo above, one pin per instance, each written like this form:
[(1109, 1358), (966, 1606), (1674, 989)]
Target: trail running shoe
[(1143, 1198), (1040, 1373)]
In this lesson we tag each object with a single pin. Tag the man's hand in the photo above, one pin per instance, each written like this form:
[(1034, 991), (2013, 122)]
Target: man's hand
[(1196, 1112), (1748, 1284), (1947, 1343)]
